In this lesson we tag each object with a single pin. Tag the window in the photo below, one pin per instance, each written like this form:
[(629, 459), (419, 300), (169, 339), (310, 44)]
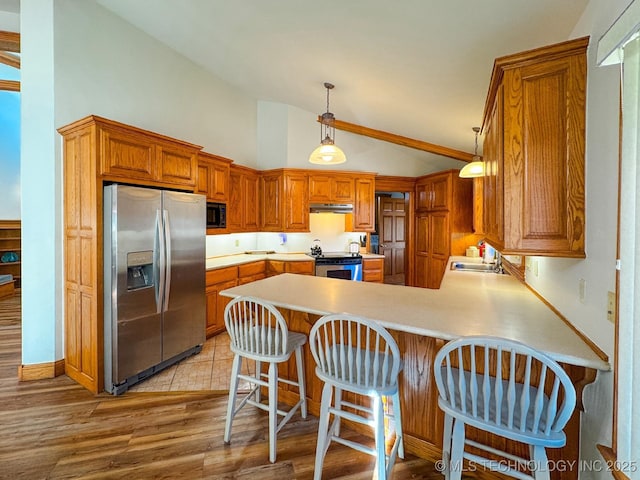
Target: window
[(621, 45), (10, 125)]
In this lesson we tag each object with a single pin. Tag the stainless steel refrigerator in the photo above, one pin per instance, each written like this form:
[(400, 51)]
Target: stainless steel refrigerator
[(154, 281)]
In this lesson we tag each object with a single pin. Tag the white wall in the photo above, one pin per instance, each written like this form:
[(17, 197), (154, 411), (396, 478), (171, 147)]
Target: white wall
[(327, 227), (363, 153), (107, 67), (287, 135), (9, 21), (558, 279), (79, 59), (41, 209)]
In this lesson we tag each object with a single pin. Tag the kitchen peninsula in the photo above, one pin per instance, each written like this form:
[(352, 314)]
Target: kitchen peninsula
[(422, 320)]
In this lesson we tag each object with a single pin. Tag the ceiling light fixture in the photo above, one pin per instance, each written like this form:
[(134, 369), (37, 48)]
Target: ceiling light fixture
[(327, 152), (476, 167)]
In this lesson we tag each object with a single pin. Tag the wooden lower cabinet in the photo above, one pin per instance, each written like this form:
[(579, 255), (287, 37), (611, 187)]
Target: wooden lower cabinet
[(218, 280), (276, 267), (228, 277), (432, 248), (422, 419), (444, 214), (373, 270), (250, 272)]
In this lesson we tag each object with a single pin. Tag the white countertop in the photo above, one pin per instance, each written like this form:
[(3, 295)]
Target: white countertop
[(239, 259), (468, 303)]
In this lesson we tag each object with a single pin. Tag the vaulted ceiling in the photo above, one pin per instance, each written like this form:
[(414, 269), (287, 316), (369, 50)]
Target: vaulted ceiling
[(416, 68)]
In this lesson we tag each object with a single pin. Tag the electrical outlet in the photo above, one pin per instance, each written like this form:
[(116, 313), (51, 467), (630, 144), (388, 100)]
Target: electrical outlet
[(237, 242), (582, 290), (611, 307)]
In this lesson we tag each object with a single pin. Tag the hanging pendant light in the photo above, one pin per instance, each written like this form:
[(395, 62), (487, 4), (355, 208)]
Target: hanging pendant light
[(327, 153), (476, 167)]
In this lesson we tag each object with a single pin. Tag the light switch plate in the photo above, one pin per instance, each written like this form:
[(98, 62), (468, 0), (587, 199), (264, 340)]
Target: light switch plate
[(582, 290), (611, 306)]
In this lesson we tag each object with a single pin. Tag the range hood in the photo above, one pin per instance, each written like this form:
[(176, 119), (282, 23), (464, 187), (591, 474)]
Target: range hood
[(331, 208)]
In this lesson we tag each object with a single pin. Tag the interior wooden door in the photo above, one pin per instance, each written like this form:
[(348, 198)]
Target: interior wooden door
[(392, 226)]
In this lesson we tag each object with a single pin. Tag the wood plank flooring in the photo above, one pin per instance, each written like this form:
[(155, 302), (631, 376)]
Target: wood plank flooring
[(55, 429)]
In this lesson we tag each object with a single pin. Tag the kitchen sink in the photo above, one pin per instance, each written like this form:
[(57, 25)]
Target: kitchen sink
[(473, 267)]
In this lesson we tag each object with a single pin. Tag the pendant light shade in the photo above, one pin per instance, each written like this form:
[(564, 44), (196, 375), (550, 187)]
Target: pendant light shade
[(327, 152), (476, 167)]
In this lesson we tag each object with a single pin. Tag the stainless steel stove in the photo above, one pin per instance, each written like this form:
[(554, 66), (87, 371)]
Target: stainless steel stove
[(347, 266)]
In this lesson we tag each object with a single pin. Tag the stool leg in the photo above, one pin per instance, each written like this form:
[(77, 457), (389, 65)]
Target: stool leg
[(233, 392), (258, 391), (323, 430), (301, 382), (273, 410), (540, 462), (378, 413), (337, 403), (446, 445), (398, 422), (457, 450)]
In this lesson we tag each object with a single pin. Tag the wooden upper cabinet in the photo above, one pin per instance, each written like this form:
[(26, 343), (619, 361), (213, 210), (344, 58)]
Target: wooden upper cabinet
[(242, 207), (296, 206), (331, 188), (535, 116), (251, 182), (493, 180), (177, 165), (364, 212), (213, 177), (271, 191), (434, 192), (343, 190), (126, 154), (285, 200), (136, 155)]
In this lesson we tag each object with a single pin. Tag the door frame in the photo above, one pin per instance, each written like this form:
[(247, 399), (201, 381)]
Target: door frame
[(406, 185)]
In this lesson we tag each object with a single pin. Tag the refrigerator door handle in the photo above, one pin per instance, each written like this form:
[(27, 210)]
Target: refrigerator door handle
[(167, 233), (160, 252)]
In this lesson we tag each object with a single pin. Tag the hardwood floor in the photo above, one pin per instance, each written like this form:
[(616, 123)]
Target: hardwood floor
[(55, 429)]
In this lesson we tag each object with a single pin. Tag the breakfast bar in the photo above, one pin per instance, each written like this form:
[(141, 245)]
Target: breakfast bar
[(422, 320)]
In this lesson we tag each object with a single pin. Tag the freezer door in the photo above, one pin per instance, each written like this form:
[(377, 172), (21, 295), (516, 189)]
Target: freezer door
[(184, 320), (133, 317)]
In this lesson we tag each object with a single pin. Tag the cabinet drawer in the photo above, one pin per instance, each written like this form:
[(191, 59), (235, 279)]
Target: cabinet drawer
[(251, 278), (372, 276), (249, 269), (222, 275), (305, 268), (373, 270)]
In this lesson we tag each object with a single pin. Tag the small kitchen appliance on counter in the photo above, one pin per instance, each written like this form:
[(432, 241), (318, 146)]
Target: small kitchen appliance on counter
[(316, 249), (347, 266)]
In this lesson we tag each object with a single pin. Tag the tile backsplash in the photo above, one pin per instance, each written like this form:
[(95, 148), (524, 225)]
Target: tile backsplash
[(327, 227)]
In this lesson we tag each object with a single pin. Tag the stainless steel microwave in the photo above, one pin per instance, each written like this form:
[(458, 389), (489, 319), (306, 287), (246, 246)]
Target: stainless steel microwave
[(216, 215)]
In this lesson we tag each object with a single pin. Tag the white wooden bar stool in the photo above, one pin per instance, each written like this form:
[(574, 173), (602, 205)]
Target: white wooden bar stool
[(258, 332), (506, 388), (356, 355)]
